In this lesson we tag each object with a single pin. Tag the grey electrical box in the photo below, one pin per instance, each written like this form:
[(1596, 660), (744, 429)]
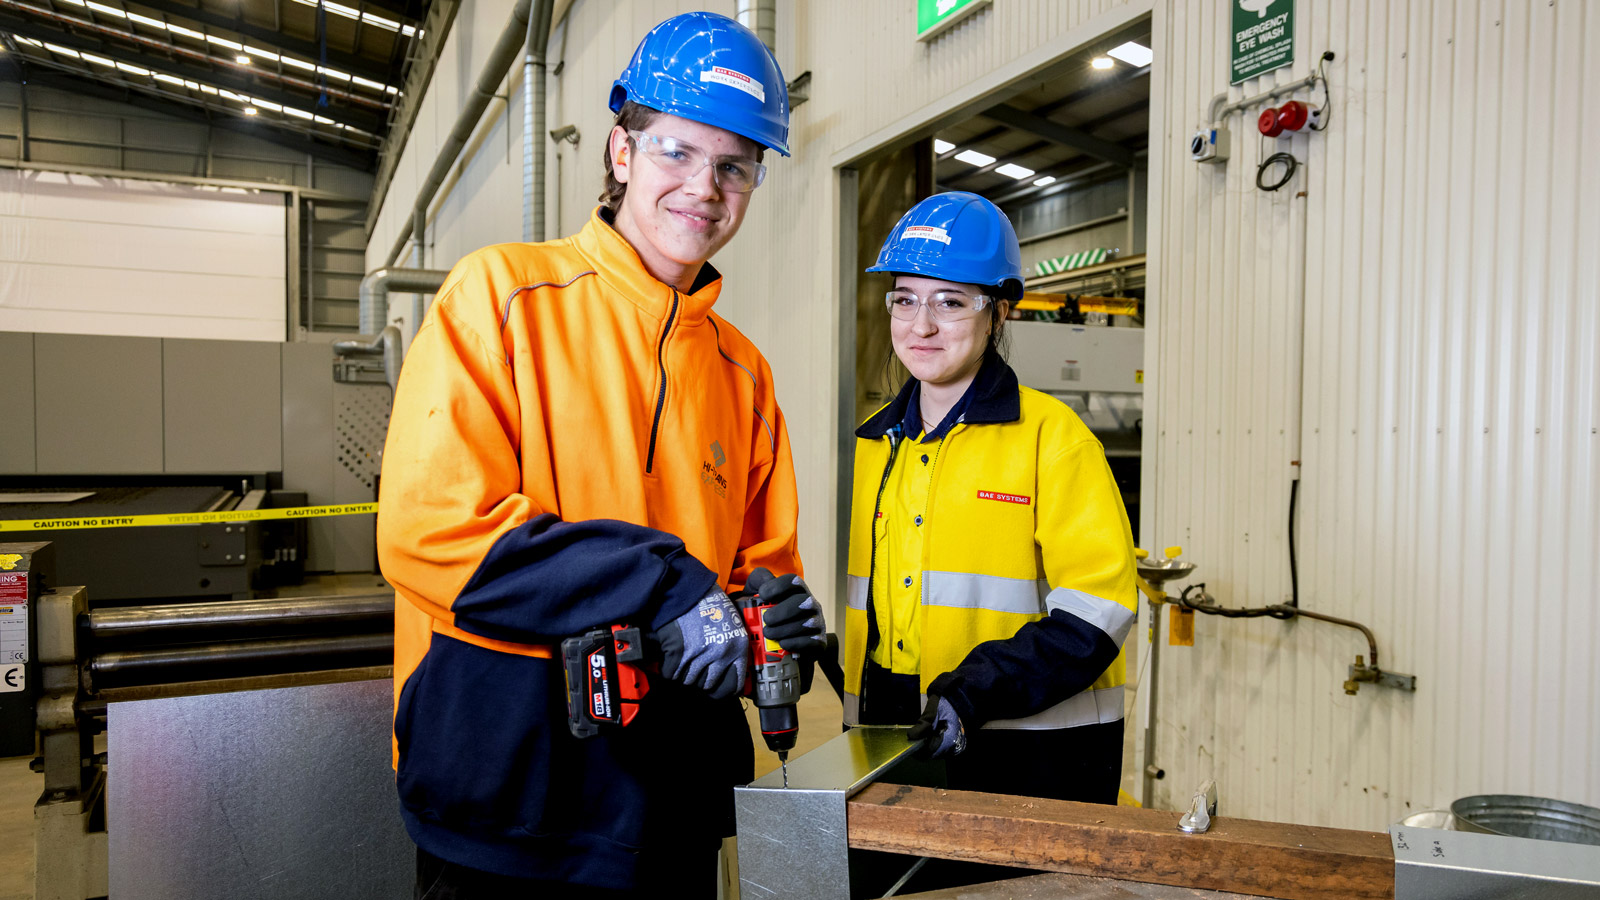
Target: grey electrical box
[(1077, 358)]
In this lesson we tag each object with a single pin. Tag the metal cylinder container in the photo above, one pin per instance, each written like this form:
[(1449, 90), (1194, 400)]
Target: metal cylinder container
[(1539, 818)]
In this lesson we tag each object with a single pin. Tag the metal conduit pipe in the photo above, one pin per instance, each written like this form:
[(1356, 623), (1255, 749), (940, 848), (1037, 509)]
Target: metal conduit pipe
[(533, 146), (172, 622), (234, 659), (494, 71), (760, 16)]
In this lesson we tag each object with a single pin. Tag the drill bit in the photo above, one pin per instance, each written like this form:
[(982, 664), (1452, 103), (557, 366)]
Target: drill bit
[(783, 760)]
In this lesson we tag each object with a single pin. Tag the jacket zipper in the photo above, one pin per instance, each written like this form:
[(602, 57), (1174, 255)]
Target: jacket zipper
[(661, 396), (872, 563)]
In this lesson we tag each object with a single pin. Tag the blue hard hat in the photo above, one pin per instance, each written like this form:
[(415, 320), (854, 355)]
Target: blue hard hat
[(956, 236), (711, 69)]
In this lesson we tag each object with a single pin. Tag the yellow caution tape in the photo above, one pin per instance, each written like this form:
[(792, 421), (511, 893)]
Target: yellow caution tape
[(200, 518)]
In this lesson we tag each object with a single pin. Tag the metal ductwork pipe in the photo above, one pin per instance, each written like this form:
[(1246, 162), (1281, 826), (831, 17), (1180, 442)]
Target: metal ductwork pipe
[(533, 146), (377, 285), (501, 58), (375, 290), (760, 16)]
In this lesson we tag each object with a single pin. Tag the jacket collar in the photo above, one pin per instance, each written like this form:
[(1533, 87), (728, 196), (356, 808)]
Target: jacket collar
[(992, 398), (618, 264)]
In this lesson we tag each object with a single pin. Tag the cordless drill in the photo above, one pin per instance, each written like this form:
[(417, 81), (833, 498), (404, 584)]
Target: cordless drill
[(774, 678)]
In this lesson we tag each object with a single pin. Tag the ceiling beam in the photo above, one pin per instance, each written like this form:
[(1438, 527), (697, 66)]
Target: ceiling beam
[(366, 120), (89, 85), (273, 40), (1066, 135), (1000, 161), (1122, 77), (1093, 123)]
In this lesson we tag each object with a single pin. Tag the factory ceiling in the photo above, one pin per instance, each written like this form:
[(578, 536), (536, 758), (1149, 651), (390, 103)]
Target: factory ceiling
[(1078, 122), (323, 76)]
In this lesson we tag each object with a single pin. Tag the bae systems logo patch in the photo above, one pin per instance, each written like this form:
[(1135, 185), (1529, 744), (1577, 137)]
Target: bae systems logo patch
[(1005, 498), (708, 471)]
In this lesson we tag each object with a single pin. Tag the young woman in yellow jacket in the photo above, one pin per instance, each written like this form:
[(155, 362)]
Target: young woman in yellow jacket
[(991, 568)]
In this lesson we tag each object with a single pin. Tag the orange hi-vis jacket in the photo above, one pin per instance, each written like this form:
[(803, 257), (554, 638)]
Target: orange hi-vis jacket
[(573, 444)]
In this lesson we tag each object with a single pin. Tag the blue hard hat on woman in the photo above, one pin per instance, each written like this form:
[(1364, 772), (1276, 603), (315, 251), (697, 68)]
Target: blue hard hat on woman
[(709, 68), (956, 236)]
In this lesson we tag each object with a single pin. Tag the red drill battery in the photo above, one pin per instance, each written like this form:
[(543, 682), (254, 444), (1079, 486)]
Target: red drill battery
[(605, 682)]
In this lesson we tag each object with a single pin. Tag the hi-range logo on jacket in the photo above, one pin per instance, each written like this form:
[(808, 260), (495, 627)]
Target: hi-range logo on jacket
[(709, 474)]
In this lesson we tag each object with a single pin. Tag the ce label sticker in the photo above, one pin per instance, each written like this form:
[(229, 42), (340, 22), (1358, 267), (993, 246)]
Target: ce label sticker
[(13, 678)]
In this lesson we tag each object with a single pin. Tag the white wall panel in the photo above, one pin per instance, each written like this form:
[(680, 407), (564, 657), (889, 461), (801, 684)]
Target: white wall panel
[(1432, 256), (85, 255)]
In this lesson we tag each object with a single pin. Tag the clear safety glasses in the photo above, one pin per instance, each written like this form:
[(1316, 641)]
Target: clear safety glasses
[(738, 174), (945, 306)]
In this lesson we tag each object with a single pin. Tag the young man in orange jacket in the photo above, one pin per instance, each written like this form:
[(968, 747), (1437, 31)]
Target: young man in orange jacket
[(578, 440)]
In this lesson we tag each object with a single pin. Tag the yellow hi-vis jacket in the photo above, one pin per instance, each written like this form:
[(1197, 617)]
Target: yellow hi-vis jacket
[(1021, 560)]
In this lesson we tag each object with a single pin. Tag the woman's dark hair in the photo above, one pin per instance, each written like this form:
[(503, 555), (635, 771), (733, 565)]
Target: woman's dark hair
[(632, 117)]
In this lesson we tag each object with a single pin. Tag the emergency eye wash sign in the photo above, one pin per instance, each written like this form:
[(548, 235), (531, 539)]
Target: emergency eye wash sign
[(934, 16), (1263, 37)]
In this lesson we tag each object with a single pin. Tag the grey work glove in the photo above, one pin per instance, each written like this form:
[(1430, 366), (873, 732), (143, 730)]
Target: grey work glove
[(941, 727), (795, 620), (707, 647)]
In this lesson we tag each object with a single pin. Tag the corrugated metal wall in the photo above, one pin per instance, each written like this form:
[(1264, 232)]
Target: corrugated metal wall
[(1447, 434), (1450, 288)]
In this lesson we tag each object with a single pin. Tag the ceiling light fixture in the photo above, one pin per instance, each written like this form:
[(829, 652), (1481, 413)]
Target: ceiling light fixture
[(942, 146), (974, 157), (1102, 62), (250, 111), (1133, 53), (1041, 182), (242, 59), (1015, 171)]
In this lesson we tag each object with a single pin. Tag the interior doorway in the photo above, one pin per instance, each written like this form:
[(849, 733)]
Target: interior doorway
[(1064, 150)]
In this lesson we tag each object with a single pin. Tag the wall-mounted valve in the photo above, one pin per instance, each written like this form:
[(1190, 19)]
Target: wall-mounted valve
[(1361, 673)]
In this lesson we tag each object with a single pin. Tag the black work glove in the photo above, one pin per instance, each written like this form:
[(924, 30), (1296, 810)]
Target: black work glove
[(941, 727), (795, 620)]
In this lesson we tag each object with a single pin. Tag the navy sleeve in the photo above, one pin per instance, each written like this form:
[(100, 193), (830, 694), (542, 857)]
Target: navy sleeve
[(1044, 663), (547, 579)]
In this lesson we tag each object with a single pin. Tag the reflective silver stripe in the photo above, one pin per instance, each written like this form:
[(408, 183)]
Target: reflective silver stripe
[(1109, 616), (856, 592), (852, 709), (964, 590), (1087, 708)]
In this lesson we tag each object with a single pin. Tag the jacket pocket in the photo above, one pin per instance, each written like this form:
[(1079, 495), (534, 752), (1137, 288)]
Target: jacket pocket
[(478, 732)]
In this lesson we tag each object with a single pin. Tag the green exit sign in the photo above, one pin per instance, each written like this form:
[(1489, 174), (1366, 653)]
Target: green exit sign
[(934, 16)]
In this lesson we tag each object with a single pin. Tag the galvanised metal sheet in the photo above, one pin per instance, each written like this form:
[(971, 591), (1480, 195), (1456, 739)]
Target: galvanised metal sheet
[(260, 795)]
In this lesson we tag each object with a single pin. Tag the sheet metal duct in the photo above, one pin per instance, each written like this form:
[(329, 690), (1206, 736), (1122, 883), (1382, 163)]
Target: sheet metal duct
[(760, 16), (504, 54)]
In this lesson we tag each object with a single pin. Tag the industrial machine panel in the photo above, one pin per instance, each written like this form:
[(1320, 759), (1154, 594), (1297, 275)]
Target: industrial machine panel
[(98, 404), (25, 569), (308, 445), (16, 404), (1077, 358), (223, 406)]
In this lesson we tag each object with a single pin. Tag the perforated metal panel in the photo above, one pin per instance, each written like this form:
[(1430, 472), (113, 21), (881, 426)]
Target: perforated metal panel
[(360, 423)]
